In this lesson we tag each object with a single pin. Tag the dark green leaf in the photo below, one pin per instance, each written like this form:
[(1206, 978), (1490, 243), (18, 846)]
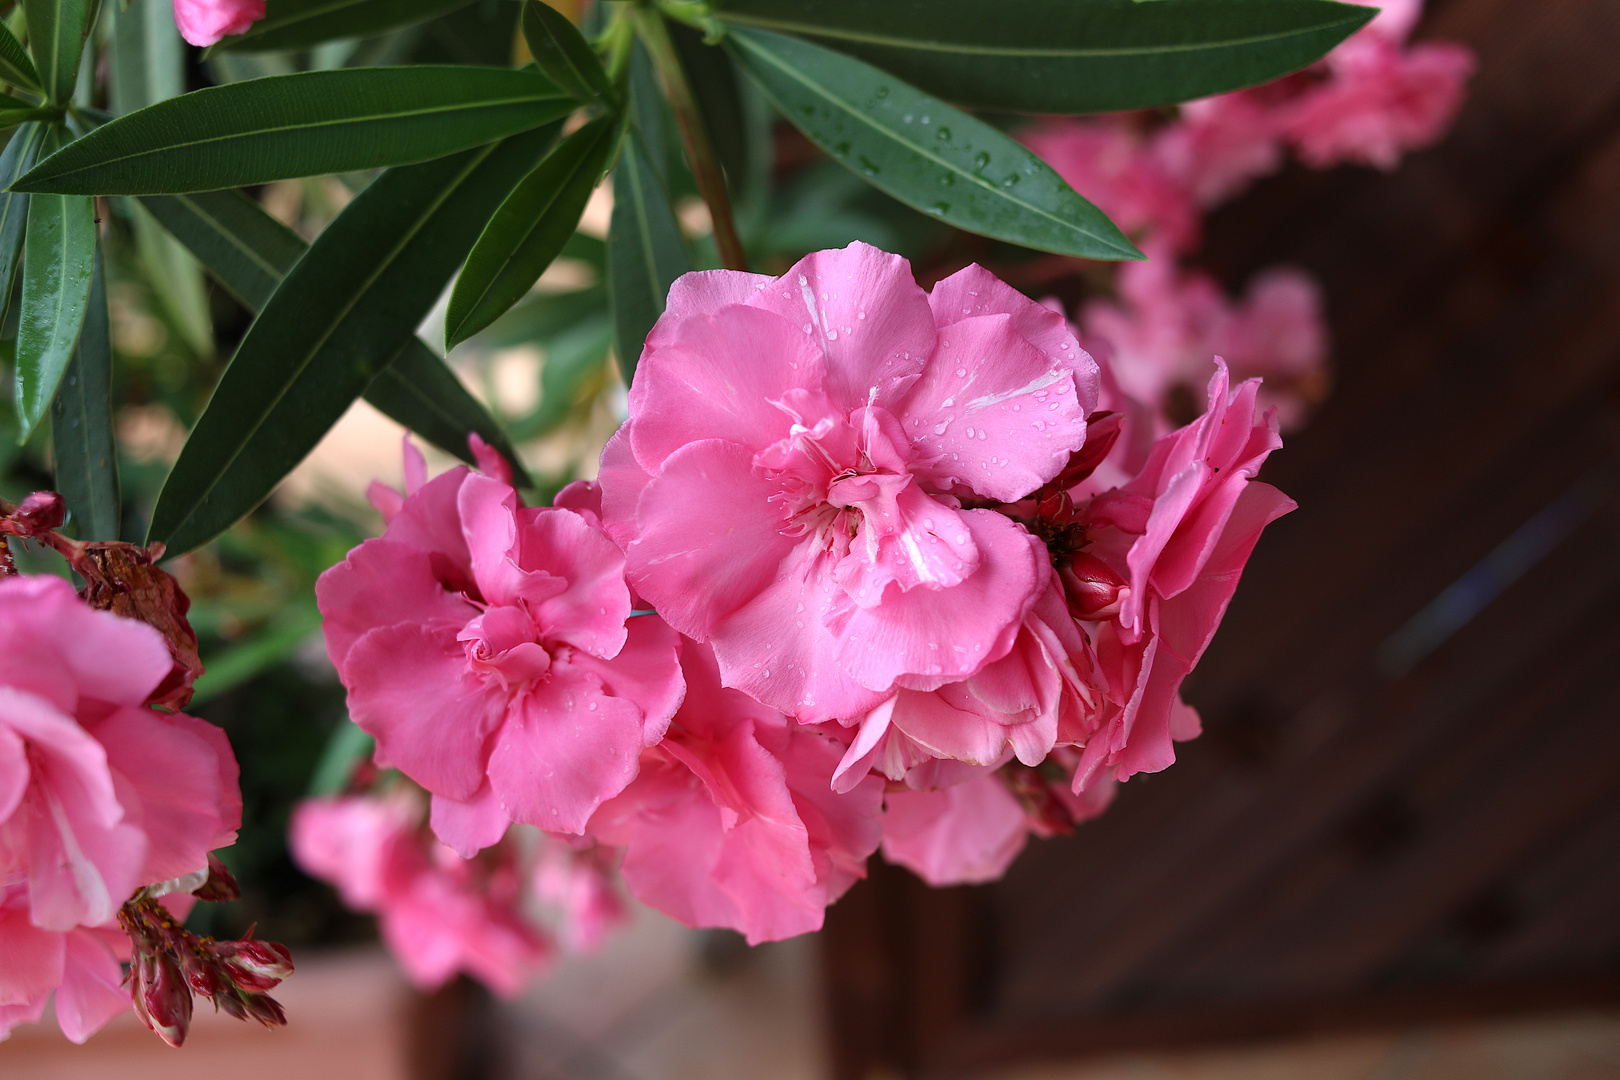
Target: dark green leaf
[(250, 252), (646, 253), (82, 441), (1068, 56), (59, 255), (543, 317), (924, 152), (18, 158), (530, 229), (714, 84), (15, 67), (148, 57), (307, 124), (297, 24), (56, 33), (336, 321), (563, 54)]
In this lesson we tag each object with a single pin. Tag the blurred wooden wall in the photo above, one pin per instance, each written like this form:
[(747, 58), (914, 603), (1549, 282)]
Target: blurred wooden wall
[(1407, 801)]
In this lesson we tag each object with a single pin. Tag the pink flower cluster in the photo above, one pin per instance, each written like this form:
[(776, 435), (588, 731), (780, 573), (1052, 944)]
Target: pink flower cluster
[(204, 22), (1370, 101), (868, 566), (99, 797)]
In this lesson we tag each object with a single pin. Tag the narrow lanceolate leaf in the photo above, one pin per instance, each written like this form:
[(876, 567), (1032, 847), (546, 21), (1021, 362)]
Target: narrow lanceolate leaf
[(297, 24), (1068, 56), (307, 124), (249, 252), (15, 67), (56, 33), (82, 441), (530, 229), (18, 158), (646, 253), (563, 55), (58, 262), (924, 152), (336, 321)]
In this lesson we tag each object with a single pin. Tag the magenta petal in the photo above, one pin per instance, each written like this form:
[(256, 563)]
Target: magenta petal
[(708, 382), (865, 312), (992, 411), (92, 991), (565, 748), (973, 291), (430, 521), (382, 582), (963, 835), (488, 510), (710, 539), (469, 826), (590, 613), (941, 635), (409, 687)]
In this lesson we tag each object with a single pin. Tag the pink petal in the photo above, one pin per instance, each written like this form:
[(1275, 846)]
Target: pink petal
[(409, 687), (91, 993), (381, 583), (590, 613), (111, 659), (565, 748), (865, 312), (963, 835), (203, 22), (622, 480), (647, 671), (469, 826), (709, 539), (431, 522), (702, 292), (14, 772), (31, 959), (928, 720)]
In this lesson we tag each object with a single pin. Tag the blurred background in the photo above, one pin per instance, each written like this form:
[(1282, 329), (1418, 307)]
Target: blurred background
[(1395, 852)]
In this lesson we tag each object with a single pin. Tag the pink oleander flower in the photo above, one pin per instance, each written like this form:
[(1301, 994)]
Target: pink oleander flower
[(485, 644), (1217, 146), (80, 966), (732, 821), (1177, 536), (1109, 161), (1381, 101), (439, 914), (789, 487), (575, 888), (203, 22), (1166, 323), (98, 795)]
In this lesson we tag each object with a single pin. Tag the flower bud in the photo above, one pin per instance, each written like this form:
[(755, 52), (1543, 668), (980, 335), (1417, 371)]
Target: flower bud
[(220, 885), (266, 1010), (1092, 588), (255, 966), (166, 999), (202, 974), (40, 512)]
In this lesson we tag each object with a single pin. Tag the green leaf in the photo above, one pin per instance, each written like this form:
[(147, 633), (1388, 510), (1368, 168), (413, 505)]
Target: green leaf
[(250, 252), (924, 152), (15, 67), (268, 647), (337, 320), (646, 253), (298, 24), (56, 33), (307, 124), (82, 441), (148, 57), (18, 158), (719, 98), (530, 229), (1068, 56), (347, 747), (59, 257), (563, 54)]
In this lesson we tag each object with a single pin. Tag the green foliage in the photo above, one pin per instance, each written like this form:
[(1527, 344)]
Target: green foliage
[(924, 152), (564, 56), (82, 442), (15, 67), (530, 229), (303, 124), (56, 33), (297, 24), (1067, 56), (336, 320)]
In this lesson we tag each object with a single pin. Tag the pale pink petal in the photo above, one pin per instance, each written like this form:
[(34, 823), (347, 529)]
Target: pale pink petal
[(842, 826), (965, 834), (565, 748), (203, 22), (14, 772), (409, 686), (622, 480), (491, 462), (31, 959), (92, 991), (702, 292), (111, 659), (469, 826)]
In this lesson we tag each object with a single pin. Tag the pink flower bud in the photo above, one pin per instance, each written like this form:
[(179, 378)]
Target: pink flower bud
[(40, 512), (165, 998), (221, 885), (202, 975), (255, 966), (266, 1010), (1092, 588)]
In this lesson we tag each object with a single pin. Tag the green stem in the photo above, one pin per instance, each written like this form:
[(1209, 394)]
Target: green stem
[(700, 154)]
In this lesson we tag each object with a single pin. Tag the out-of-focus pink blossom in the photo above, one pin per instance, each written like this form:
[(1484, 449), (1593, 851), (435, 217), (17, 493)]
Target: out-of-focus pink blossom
[(439, 913), (1109, 161), (98, 795), (575, 889), (203, 22), (1219, 145), (1380, 102), (1180, 534), (732, 821), (80, 966), (485, 645), (1167, 323), (964, 834), (788, 487)]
